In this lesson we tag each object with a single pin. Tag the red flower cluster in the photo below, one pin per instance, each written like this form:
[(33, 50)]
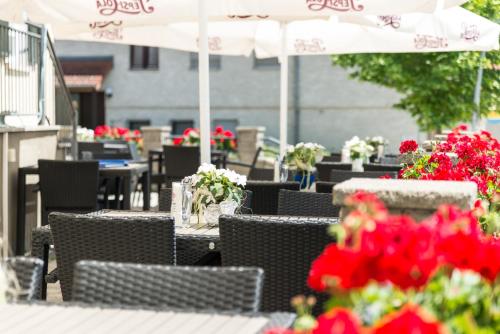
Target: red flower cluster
[(408, 146), (477, 160), (338, 321), (222, 140), (106, 132), (410, 319), (396, 249)]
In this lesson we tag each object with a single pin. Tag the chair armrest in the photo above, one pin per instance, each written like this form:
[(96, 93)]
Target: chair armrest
[(239, 163)]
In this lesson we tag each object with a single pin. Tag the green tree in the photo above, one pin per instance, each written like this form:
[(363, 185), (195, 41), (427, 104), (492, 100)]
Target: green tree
[(437, 88)]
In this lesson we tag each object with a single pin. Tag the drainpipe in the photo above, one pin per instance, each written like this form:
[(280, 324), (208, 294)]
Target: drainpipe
[(476, 118), (41, 76), (5, 194), (296, 99)]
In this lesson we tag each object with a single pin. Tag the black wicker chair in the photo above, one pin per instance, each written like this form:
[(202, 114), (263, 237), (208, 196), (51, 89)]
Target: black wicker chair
[(68, 186), (265, 195), (28, 272), (333, 157), (180, 161), (204, 288), (299, 203), (324, 169), (134, 239), (165, 199), (90, 150), (381, 168), (283, 246), (344, 175), (261, 174), (325, 187)]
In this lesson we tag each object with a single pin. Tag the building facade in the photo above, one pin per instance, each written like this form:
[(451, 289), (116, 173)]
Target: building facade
[(325, 106)]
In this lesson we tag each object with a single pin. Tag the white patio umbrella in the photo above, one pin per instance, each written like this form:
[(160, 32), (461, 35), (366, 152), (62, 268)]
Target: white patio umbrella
[(453, 29), (154, 12)]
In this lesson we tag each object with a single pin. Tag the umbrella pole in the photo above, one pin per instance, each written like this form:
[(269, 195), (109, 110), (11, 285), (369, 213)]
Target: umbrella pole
[(283, 91), (204, 85)]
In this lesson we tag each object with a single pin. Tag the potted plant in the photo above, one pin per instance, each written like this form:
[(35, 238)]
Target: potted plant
[(223, 140), (190, 137), (302, 158), (359, 151), (379, 143), (216, 192)]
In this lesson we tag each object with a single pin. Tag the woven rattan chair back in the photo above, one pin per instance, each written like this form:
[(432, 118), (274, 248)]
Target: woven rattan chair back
[(344, 175), (165, 199), (261, 174), (133, 239), (68, 186), (324, 169), (325, 187), (93, 149), (265, 195), (28, 272), (300, 203), (204, 288), (181, 161), (283, 246), (394, 168)]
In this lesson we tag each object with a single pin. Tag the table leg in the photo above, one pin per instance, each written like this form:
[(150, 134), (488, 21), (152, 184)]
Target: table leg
[(127, 192), (146, 191), (21, 213)]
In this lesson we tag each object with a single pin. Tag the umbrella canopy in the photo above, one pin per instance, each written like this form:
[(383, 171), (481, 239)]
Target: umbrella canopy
[(104, 17), (162, 11), (454, 29)]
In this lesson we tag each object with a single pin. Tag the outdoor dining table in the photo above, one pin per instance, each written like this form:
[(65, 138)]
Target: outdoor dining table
[(127, 173), (73, 318), (192, 242)]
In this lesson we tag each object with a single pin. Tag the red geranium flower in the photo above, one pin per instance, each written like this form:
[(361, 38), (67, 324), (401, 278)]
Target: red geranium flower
[(408, 146), (409, 320), (338, 321), (219, 130), (178, 141), (228, 134), (122, 131)]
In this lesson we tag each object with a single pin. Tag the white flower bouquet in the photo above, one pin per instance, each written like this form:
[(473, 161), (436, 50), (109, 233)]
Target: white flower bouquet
[(303, 157), (215, 186), (359, 149), (376, 141)]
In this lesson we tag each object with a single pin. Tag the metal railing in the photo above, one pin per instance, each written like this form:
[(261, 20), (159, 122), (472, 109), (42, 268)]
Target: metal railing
[(19, 71), (65, 111), (24, 69)]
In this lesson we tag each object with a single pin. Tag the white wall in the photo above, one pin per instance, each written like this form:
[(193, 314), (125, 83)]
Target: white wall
[(334, 108)]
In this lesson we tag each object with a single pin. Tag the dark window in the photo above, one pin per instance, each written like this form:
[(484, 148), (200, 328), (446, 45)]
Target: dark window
[(227, 124), (265, 63), (214, 61), (136, 124), (144, 57), (178, 126)]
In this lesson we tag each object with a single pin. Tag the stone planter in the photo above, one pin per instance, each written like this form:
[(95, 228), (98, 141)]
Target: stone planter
[(417, 198)]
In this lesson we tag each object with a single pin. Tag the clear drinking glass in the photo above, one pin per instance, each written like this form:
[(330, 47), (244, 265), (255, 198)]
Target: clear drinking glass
[(283, 172), (187, 201)]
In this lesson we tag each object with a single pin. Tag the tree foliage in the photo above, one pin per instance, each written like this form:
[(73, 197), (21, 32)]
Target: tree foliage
[(437, 88)]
